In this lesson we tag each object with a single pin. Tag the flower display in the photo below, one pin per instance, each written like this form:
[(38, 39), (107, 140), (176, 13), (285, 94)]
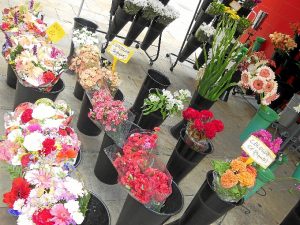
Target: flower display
[(139, 170), (266, 137), (83, 37), (204, 32), (215, 8), (23, 19), (47, 195), (132, 7), (40, 67), (168, 15), (282, 42), (259, 78), (153, 9), (165, 102), (39, 131), (108, 112), (233, 179)]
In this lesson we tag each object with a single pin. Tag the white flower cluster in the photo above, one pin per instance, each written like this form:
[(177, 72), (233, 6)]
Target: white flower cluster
[(207, 29), (170, 12), (297, 108), (140, 3), (84, 37), (174, 101), (157, 6)]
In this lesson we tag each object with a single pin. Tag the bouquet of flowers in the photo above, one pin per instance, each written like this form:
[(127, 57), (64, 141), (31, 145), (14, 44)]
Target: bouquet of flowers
[(132, 7), (165, 102), (47, 195), (40, 67), (204, 32), (108, 112), (153, 9), (259, 78), (23, 19), (141, 173), (82, 37), (201, 127), (215, 8), (233, 179), (169, 14), (249, 4), (282, 42), (39, 131)]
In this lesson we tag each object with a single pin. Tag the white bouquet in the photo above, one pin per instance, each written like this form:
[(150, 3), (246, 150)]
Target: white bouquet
[(84, 37)]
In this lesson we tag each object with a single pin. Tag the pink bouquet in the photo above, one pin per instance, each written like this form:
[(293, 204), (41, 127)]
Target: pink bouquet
[(266, 137), (145, 177), (259, 78), (282, 42), (108, 112)]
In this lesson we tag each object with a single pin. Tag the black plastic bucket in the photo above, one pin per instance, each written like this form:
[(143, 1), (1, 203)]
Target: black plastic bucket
[(78, 91), (11, 78), (135, 213), (29, 94), (184, 159), (148, 122), (191, 46), (293, 217), (153, 32)]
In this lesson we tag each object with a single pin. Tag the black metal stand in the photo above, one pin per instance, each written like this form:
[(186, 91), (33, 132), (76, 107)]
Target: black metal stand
[(185, 40), (152, 58)]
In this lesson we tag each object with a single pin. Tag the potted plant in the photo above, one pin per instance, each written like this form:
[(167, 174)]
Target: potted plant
[(166, 16), (283, 43), (220, 65), (194, 142), (154, 79), (260, 78), (159, 105), (223, 189), (150, 10), (203, 34), (124, 13)]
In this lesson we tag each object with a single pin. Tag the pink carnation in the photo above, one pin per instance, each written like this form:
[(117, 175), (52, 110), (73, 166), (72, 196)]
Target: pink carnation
[(61, 215)]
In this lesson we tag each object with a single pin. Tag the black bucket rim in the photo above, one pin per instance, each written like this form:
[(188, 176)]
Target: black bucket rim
[(103, 203), (207, 152), (80, 158), (162, 77), (166, 214), (50, 92), (209, 175), (79, 20)]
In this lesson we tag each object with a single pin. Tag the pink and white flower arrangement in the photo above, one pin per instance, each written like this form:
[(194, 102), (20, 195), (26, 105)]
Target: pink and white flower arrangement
[(260, 78), (47, 195), (108, 112), (40, 67), (39, 131)]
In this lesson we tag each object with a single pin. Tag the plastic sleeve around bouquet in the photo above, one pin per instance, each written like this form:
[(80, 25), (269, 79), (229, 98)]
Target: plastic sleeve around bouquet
[(143, 175)]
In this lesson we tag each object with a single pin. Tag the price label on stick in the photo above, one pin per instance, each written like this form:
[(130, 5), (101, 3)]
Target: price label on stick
[(55, 32), (258, 151), (235, 5), (120, 51)]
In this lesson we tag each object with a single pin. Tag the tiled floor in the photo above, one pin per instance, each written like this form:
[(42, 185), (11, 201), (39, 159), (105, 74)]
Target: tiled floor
[(269, 209)]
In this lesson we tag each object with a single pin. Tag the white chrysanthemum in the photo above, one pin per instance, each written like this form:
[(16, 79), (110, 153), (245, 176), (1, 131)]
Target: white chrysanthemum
[(74, 187), (14, 134), (52, 123), (19, 204), (25, 220), (72, 206), (34, 141), (43, 111), (78, 217), (154, 98)]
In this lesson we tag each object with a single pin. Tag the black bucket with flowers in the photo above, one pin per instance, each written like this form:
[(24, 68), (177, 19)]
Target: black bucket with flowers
[(11, 78)]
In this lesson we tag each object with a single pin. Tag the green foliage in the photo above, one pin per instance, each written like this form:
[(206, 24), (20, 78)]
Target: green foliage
[(14, 171), (215, 8), (15, 53), (83, 203), (243, 24), (225, 58), (237, 192), (220, 166)]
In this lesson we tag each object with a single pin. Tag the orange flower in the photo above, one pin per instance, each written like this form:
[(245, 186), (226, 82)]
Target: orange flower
[(238, 166), (229, 179), (66, 154), (246, 179), (252, 170)]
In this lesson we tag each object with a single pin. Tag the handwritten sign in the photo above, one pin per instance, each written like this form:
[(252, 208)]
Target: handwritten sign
[(258, 151), (235, 5), (55, 32), (120, 51)]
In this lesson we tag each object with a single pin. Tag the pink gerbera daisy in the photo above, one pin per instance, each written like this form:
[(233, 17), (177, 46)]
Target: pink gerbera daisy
[(257, 85), (266, 72), (270, 87)]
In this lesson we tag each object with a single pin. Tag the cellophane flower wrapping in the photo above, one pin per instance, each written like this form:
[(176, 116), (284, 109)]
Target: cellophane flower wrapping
[(46, 194), (140, 171), (232, 179), (110, 115), (39, 131)]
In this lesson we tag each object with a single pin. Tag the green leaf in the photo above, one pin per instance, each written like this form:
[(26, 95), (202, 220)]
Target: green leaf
[(220, 166), (83, 203), (14, 171)]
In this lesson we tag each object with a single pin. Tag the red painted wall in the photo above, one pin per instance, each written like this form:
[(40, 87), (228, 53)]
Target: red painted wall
[(280, 14)]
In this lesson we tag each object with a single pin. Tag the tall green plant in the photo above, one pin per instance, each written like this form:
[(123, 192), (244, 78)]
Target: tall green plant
[(226, 54)]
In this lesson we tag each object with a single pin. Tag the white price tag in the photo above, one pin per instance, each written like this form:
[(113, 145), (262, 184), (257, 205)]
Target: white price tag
[(120, 51), (235, 5)]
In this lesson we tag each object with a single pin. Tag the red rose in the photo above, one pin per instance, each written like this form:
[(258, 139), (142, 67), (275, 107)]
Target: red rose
[(25, 160), (26, 115), (4, 26), (48, 77), (42, 217), (48, 146)]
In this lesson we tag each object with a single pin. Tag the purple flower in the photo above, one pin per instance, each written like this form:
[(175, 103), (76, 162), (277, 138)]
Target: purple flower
[(34, 127), (16, 17), (8, 41), (13, 212), (266, 137), (31, 4), (34, 49), (55, 52)]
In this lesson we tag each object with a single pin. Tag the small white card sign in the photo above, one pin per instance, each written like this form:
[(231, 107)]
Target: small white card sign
[(235, 5), (258, 151), (120, 51)]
